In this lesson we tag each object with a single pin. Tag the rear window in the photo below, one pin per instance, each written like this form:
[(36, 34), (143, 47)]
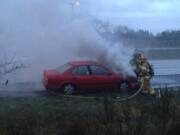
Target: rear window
[(81, 70), (63, 68), (97, 70)]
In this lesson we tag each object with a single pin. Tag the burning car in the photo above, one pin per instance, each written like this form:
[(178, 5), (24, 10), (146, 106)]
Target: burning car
[(80, 76)]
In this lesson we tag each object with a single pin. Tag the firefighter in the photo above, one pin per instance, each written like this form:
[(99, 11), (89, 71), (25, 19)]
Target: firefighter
[(145, 76), (135, 62)]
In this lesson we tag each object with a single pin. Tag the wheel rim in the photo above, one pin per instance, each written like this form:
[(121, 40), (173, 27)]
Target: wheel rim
[(124, 87), (69, 89)]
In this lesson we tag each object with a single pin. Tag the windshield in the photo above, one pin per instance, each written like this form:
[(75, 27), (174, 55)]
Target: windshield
[(63, 68)]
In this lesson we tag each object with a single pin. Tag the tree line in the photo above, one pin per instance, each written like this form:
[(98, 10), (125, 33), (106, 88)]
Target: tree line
[(126, 34)]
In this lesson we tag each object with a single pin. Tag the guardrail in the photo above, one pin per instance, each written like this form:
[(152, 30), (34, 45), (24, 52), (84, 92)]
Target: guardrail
[(166, 67)]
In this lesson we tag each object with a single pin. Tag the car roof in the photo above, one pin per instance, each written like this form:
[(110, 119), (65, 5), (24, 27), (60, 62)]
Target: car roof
[(80, 63)]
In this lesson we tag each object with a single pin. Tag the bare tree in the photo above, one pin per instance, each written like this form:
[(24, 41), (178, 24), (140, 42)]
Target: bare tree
[(8, 66)]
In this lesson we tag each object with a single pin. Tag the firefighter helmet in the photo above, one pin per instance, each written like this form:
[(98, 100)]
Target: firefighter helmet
[(143, 57)]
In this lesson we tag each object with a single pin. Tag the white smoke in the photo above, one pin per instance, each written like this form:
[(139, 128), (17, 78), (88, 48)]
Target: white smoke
[(46, 34), (115, 56)]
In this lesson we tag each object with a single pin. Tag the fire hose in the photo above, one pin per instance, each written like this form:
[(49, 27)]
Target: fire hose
[(117, 99)]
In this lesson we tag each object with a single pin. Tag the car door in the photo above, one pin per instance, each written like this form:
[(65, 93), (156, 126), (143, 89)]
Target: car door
[(103, 79), (81, 77)]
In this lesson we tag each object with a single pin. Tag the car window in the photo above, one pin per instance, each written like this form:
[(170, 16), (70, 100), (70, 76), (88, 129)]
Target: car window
[(97, 70), (63, 68), (81, 70)]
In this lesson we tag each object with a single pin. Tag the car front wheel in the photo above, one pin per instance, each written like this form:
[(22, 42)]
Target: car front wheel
[(69, 89), (124, 86)]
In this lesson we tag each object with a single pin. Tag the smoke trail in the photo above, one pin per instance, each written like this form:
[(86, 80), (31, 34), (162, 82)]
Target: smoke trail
[(46, 34), (115, 56)]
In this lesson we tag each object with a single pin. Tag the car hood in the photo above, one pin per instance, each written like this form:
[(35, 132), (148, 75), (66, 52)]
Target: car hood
[(127, 76)]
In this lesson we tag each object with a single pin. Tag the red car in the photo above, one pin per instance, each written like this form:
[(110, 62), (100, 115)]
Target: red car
[(78, 76)]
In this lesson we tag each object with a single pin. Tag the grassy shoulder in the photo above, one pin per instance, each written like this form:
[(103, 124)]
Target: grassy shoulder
[(54, 115)]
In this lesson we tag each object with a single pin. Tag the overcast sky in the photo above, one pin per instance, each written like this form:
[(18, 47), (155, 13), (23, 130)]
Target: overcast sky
[(152, 15)]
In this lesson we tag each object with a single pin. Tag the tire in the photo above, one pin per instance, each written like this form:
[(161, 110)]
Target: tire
[(69, 89), (124, 87)]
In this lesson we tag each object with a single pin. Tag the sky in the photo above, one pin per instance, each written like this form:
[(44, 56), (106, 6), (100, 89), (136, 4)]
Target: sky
[(152, 15), (47, 33)]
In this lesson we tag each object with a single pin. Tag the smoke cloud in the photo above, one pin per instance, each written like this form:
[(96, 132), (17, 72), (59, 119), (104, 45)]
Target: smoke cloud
[(45, 34)]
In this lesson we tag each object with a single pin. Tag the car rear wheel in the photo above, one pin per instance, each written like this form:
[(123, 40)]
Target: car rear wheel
[(69, 89)]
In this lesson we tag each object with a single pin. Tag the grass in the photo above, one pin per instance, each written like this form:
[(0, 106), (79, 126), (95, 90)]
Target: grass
[(144, 115)]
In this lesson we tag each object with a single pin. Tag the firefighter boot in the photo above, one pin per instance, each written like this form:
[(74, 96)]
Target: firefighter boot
[(152, 92)]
